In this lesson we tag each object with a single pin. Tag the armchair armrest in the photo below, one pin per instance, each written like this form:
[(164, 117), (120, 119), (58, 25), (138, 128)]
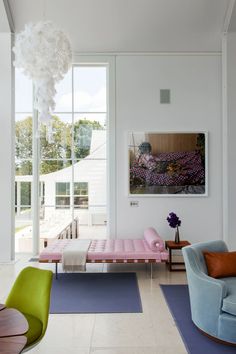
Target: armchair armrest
[(206, 294)]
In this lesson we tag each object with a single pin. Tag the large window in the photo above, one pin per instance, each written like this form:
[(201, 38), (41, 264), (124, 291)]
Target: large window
[(23, 158), (72, 159)]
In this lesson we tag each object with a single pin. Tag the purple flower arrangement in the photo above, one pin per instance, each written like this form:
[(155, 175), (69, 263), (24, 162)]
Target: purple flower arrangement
[(173, 220)]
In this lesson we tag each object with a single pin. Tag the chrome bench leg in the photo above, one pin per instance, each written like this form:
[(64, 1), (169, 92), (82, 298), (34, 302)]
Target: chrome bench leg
[(56, 270), (151, 271)]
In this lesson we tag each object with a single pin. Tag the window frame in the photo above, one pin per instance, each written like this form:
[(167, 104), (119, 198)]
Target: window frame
[(85, 196), (109, 63)]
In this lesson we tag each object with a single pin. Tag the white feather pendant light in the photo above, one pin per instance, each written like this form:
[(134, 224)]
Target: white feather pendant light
[(44, 53)]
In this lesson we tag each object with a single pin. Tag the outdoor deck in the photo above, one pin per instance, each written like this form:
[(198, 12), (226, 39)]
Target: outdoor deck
[(24, 237)]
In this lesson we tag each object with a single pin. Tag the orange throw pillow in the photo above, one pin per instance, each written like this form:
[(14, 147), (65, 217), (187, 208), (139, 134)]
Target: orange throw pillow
[(220, 264)]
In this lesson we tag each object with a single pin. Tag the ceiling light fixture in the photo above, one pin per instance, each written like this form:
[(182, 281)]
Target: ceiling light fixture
[(44, 53)]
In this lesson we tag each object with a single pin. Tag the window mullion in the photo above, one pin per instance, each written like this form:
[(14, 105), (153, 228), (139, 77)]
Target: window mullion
[(35, 196)]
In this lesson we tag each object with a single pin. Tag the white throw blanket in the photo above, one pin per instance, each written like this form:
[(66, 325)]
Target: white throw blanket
[(74, 255)]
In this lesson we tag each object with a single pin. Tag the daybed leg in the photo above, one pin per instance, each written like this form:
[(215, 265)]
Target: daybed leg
[(151, 271), (56, 269)]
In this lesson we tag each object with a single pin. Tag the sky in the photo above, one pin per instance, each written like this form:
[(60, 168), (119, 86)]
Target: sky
[(89, 94)]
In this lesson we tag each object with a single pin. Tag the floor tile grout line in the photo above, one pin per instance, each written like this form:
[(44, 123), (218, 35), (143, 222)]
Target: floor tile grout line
[(92, 334)]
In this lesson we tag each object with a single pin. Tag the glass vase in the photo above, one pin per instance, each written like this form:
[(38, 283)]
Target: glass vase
[(177, 240)]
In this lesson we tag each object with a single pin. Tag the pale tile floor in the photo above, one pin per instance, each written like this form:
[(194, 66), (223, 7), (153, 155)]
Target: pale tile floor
[(150, 332)]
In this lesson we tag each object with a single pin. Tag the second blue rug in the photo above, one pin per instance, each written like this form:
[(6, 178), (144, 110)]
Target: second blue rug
[(95, 293), (177, 298)]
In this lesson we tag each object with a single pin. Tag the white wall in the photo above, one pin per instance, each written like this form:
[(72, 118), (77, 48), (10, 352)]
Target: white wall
[(231, 146), (6, 148), (195, 83)]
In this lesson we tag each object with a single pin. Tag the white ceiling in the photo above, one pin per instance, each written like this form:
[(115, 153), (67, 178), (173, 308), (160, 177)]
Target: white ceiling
[(232, 26), (130, 25)]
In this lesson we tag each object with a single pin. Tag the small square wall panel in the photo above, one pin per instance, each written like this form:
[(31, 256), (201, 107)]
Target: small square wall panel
[(164, 96)]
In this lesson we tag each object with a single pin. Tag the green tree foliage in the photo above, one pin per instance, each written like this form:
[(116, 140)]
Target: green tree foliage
[(23, 146), (82, 136), (54, 146)]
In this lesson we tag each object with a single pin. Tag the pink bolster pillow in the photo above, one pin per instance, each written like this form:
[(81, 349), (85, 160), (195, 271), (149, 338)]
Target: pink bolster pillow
[(153, 240)]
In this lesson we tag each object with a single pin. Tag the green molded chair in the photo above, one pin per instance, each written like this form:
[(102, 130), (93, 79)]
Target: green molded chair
[(30, 295)]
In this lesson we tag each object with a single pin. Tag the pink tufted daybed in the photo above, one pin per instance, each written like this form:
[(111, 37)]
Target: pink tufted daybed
[(150, 249)]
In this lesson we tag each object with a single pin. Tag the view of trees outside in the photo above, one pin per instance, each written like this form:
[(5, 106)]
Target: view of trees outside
[(63, 143), (58, 150)]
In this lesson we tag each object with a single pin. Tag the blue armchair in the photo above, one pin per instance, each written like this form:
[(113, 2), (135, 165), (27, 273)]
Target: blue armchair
[(213, 301)]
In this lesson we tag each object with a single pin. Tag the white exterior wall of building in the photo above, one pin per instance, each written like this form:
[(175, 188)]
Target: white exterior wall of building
[(92, 170)]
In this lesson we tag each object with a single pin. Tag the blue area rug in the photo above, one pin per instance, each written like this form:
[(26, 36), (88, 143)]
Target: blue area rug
[(95, 293), (177, 298)]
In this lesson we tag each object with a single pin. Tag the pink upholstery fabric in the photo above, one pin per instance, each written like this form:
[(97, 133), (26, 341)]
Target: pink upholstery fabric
[(154, 240), (107, 250), (121, 249), (53, 252)]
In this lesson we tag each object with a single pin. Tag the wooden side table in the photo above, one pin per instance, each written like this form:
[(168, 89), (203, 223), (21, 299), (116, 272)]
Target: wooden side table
[(171, 245)]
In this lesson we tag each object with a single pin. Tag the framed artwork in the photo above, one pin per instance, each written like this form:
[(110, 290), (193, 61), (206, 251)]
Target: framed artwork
[(167, 164)]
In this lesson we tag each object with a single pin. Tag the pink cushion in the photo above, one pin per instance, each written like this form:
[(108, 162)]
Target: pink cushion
[(154, 240)]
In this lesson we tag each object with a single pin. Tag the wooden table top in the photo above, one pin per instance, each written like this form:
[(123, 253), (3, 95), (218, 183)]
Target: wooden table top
[(13, 345), (12, 323), (2, 306), (173, 245)]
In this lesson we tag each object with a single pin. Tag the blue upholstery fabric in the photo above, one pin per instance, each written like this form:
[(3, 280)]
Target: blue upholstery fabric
[(229, 302), (207, 294)]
